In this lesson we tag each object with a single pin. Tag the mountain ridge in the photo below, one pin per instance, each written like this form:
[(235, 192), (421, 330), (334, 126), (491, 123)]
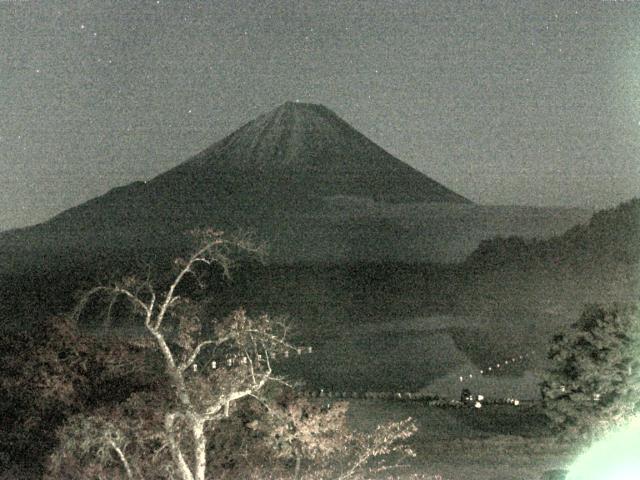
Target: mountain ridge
[(317, 152)]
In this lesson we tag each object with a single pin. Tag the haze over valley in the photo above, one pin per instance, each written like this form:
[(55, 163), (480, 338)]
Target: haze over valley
[(318, 240)]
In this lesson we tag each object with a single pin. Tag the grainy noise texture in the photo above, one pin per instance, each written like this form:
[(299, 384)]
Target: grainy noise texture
[(534, 103)]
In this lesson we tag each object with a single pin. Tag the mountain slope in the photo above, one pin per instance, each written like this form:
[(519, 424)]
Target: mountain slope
[(279, 169), (286, 160)]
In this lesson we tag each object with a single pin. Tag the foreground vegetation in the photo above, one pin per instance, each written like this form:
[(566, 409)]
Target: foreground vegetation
[(79, 405), (211, 403)]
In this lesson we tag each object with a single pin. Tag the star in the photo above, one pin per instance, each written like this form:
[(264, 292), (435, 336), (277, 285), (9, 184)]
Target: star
[(82, 27)]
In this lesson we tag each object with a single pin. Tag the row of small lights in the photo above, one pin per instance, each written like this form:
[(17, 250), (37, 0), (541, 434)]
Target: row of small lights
[(480, 398), (232, 360), (401, 396), (512, 360), (486, 371)]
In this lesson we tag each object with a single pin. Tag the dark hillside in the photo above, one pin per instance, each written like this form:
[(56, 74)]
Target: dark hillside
[(546, 283), (610, 237)]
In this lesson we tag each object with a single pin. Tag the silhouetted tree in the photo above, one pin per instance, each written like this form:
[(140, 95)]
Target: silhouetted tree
[(595, 380)]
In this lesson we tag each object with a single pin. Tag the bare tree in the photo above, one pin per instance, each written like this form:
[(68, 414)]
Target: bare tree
[(209, 365)]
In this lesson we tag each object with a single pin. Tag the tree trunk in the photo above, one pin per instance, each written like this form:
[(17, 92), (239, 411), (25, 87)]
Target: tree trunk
[(200, 441), (296, 473), (176, 453)]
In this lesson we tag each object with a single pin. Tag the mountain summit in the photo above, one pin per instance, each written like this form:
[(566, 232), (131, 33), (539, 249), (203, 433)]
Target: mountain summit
[(307, 148)]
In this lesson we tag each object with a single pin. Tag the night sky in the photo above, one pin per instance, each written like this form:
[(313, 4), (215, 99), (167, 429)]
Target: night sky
[(531, 102)]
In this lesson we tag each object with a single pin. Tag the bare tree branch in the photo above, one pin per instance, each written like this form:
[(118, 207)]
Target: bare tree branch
[(196, 351), (123, 459)]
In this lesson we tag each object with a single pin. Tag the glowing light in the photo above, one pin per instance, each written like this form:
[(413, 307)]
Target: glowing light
[(613, 458)]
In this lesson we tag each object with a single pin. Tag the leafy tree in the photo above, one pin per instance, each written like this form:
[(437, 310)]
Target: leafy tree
[(595, 380)]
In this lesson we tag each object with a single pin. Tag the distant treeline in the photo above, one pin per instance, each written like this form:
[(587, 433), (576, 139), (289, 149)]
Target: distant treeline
[(611, 236)]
